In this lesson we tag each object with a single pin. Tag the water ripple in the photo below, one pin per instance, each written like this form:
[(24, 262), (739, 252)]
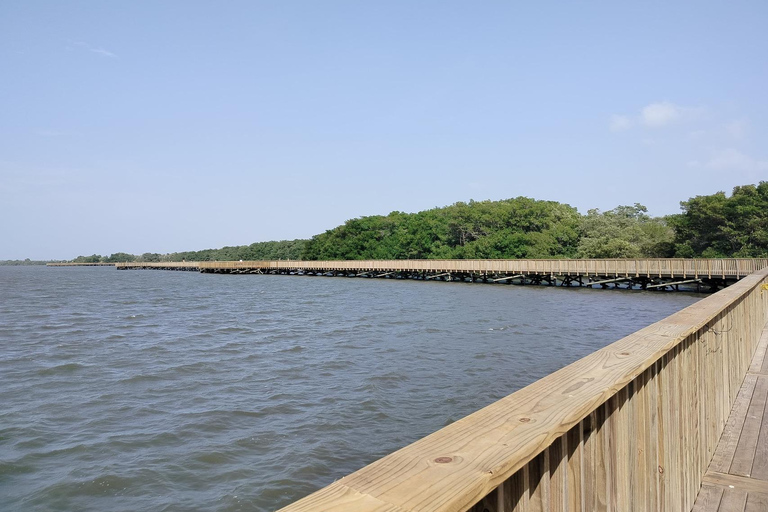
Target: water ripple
[(174, 391)]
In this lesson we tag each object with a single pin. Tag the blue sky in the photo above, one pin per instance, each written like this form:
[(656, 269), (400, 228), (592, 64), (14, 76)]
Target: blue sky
[(153, 126)]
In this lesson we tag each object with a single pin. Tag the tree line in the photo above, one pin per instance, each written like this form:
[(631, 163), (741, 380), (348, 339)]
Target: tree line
[(711, 226), (276, 250)]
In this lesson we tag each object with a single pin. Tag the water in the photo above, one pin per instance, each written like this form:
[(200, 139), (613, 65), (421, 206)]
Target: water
[(152, 390)]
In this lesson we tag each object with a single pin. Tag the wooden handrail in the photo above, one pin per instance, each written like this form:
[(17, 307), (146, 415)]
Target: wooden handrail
[(650, 268)]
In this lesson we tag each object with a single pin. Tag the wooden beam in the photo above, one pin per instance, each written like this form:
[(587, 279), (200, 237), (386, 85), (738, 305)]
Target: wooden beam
[(508, 277), (608, 281), (672, 284)]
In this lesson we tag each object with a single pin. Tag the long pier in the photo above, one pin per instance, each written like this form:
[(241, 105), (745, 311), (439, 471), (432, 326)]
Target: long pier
[(661, 273), (80, 264)]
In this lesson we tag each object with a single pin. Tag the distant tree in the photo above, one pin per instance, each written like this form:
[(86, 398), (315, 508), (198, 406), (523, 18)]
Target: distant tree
[(511, 228), (95, 258), (149, 257), (718, 226), (120, 257), (624, 232)]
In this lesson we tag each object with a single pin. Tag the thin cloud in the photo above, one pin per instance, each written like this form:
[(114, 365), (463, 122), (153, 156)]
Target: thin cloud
[(732, 159), (93, 49), (737, 129), (660, 114), (655, 115), (620, 123)]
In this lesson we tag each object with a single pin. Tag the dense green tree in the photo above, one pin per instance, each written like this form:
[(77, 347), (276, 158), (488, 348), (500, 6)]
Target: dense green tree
[(149, 257), (120, 257), (276, 250), (720, 226), (511, 228), (95, 258), (624, 232), (23, 263)]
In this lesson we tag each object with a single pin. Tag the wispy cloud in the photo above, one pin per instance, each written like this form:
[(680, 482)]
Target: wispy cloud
[(94, 49), (660, 114), (737, 129), (620, 123), (655, 115), (733, 159)]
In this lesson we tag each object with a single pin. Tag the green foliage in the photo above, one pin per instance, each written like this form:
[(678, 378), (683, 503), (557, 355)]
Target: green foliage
[(120, 257), (95, 258), (23, 263), (281, 250), (718, 226), (149, 257), (624, 232), (511, 228)]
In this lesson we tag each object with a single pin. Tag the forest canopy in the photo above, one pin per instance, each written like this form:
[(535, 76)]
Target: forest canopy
[(712, 226)]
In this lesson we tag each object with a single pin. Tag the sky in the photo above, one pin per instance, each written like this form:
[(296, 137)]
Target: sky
[(162, 126)]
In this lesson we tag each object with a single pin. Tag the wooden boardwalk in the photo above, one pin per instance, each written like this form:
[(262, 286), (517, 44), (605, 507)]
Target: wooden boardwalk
[(654, 273), (737, 477)]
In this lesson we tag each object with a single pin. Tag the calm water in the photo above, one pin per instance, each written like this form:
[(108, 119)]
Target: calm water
[(151, 390)]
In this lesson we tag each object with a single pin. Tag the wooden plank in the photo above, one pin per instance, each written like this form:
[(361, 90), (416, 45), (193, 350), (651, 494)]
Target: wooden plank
[(760, 464), (756, 502), (708, 499), (574, 469), (516, 494), (557, 470), (734, 500), (744, 455), (610, 452), (590, 483), (726, 449), (652, 427), (538, 483), (638, 426), (760, 361), (620, 434), (602, 462), (662, 402), (736, 482)]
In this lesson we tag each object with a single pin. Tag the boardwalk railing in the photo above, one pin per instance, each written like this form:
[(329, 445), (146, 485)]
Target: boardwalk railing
[(80, 264), (629, 427), (669, 267)]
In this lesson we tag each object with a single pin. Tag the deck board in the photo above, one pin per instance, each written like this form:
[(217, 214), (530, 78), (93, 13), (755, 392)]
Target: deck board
[(737, 477)]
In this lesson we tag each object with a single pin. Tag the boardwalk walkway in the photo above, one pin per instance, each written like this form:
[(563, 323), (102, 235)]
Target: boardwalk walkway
[(737, 477), (655, 273)]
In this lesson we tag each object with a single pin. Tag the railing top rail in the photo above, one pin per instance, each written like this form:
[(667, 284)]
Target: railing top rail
[(731, 267), (456, 466)]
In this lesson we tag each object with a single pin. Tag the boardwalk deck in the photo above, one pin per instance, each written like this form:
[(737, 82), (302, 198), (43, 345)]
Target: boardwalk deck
[(654, 273), (737, 477)]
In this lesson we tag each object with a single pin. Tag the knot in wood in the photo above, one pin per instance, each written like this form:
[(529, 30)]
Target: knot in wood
[(525, 420), (444, 460), (661, 470)]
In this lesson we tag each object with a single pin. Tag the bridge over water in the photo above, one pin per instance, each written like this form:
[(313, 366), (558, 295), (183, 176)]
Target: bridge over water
[(707, 274)]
